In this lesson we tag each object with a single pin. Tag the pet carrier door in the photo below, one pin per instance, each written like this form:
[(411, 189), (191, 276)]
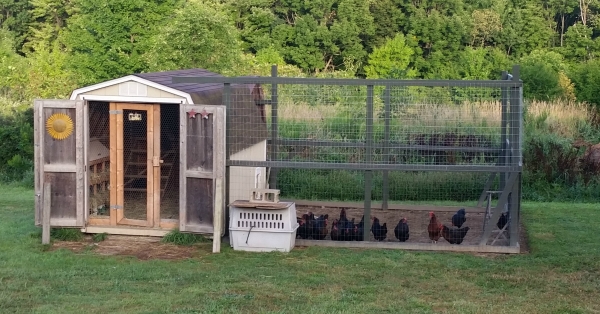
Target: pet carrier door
[(58, 150), (135, 164), (202, 152)]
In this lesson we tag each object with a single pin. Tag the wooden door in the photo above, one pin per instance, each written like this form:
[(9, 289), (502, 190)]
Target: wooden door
[(59, 160), (135, 164), (202, 153)]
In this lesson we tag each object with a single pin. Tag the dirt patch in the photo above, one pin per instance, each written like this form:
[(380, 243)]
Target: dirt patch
[(143, 248), (417, 221)]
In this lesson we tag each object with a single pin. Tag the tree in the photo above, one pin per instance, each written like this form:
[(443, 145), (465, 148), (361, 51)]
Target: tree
[(486, 25), (200, 35), (391, 60), (49, 19)]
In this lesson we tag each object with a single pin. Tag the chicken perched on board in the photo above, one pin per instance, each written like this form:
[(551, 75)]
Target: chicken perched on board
[(454, 235), (459, 218), (434, 228), (401, 231), (379, 231)]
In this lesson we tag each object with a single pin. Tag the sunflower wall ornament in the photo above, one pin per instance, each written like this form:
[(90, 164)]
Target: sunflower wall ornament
[(59, 126)]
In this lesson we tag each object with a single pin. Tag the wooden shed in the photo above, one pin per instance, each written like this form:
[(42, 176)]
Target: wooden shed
[(141, 155)]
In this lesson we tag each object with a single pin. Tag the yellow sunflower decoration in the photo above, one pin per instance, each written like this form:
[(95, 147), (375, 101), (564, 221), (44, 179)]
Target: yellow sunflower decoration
[(59, 126)]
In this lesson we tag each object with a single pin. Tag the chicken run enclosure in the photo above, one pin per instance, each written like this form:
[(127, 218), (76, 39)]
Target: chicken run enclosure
[(357, 154)]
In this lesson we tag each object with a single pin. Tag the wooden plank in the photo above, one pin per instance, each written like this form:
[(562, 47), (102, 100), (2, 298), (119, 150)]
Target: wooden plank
[(59, 103), (199, 174), (156, 173), (502, 200), (127, 230), (200, 143), (336, 204), (60, 168), (59, 151), (218, 216), (169, 224), (183, 121), (133, 222), (412, 246), (220, 171), (46, 214), (119, 166), (37, 160), (86, 149), (200, 198), (80, 157), (64, 196), (149, 166), (96, 221)]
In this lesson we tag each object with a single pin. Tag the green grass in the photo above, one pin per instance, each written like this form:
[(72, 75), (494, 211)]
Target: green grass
[(179, 238), (561, 275)]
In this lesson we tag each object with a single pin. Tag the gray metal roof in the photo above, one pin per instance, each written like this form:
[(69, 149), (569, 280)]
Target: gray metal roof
[(166, 79)]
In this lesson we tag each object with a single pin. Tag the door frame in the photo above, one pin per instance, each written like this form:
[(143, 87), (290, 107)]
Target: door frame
[(117, 163)]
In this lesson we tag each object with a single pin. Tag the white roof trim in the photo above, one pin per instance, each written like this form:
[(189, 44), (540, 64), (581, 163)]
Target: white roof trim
[(134, 78), (134, 99)]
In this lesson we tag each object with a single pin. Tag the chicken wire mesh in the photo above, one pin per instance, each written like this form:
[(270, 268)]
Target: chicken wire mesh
[(394, 145), (99, 160)]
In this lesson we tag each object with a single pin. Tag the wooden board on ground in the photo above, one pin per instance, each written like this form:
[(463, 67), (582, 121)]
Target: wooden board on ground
[(266, 205)]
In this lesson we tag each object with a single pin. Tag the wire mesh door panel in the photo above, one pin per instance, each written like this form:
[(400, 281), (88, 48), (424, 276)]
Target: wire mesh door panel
[(136, 166)]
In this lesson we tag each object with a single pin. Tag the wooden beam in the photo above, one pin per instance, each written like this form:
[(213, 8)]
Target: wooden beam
[(113, 164), (412, 246), (218, 215), (46, 214), (336, 204), (146, 232), (60, 168), (156, 172)]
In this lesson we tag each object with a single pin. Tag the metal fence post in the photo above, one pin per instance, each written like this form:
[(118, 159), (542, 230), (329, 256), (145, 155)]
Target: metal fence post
[(274, 129), (504, 148), (385, 189), (516, 129), (368, 160)]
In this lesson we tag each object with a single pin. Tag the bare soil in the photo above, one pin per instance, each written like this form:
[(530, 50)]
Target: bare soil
[(143, 248)]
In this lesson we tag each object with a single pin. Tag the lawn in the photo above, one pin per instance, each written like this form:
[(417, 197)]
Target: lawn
[(560, 275)]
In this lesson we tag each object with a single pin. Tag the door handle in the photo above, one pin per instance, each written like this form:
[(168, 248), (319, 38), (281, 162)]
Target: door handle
[(156, 162)]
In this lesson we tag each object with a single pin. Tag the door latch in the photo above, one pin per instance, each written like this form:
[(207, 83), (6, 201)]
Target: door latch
[(156, 161)]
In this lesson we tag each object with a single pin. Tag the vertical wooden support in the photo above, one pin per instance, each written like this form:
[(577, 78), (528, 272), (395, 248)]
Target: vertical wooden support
[(156, 165), (274, 129), (385, 189), (218, 215), (114, 199), (80, 163), (46, 214), (227, 103), (368, 160)]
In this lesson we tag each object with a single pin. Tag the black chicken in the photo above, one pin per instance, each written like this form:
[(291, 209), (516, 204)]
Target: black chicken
[(319, 228), (345, 226), (502, 221), (379, 231), (335, 231), (401, 231), (303, 230), (454, 236), (459, 218), (359, 230)]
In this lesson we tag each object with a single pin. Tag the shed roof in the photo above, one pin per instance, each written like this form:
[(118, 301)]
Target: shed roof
[(166, 79)]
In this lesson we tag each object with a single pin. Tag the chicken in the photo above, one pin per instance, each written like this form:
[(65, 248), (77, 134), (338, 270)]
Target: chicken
[(345, 226), (335, 231), (319, 230), (454, 236), (379, 231), (303, 231), (401, 231), (434, 228), (359, 230), (459, 218), (502, 221)]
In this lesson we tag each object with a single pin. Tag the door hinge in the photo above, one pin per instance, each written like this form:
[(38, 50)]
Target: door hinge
[(115, 111)]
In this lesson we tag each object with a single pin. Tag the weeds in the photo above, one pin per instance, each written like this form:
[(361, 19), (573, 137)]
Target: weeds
[(180, 238)]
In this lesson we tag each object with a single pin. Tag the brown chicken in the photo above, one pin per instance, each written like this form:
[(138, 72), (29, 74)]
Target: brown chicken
[(434, 228)]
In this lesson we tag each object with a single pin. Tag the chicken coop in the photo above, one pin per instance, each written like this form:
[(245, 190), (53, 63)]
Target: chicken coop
[(406, 164), (141, 155)]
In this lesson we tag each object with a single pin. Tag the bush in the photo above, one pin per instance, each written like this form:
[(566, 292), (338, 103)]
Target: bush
[(16, 141)]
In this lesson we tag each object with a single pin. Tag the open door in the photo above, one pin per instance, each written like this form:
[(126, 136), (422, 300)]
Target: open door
[(202, 153), (59, 160)]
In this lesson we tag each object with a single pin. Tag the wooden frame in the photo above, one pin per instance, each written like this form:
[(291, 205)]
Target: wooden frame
[(218, 167)]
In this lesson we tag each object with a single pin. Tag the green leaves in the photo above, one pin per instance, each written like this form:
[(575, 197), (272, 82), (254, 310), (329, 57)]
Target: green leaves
[(391, 60)]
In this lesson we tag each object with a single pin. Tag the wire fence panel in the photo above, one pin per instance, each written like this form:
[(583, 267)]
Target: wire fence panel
[(434, 146)]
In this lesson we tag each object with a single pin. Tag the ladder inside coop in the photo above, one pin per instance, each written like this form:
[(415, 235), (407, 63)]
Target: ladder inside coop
[(136, 167)]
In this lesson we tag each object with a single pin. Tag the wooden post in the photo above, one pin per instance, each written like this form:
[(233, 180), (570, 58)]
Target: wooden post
[(385, 189), (369, 160), (46, 214), (274, 129), (218, 215)]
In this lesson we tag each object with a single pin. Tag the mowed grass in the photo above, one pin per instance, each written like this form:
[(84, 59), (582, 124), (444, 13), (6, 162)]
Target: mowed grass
[(560, 275)]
